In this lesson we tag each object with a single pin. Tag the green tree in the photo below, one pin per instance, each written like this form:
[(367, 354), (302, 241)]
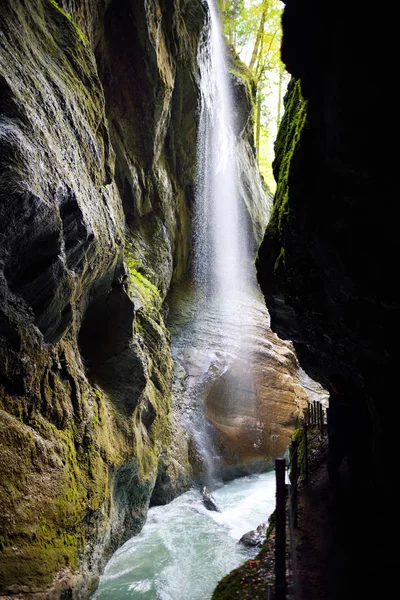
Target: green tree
[(253, 28)]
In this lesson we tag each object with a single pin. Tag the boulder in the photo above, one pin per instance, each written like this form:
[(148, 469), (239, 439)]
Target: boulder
[(255, 537), (208, 500)]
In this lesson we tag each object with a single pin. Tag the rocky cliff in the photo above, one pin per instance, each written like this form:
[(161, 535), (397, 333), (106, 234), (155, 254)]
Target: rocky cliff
[(327, 259), (97, 143)]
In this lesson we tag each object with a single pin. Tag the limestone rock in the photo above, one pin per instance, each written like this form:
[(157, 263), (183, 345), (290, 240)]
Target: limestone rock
[(250, 392), (97, 138), (256, 403)]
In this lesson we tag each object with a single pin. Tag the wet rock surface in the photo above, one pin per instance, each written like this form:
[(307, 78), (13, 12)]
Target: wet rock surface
[(256, 537), (327, 287), (208, 500), (85, 363), (248, 386)]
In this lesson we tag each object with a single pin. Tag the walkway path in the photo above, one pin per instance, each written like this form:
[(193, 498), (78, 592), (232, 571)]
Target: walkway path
[(322, 553), (343, 550), (340, 551)]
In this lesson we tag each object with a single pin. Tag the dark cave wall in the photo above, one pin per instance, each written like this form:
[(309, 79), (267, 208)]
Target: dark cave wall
[(327, 261)]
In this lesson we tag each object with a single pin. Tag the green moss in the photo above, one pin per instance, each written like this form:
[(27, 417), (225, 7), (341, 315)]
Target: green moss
[(287, 141), (272, 256), (271, 524), (250, 89), (149, 288), (39, 560), (241, 70), (280, 259), (149, 446), (50, 533), (298, 436), (231, 586), (148, 292), (67, 15), (153, 337), (97, 408), (245, 581)]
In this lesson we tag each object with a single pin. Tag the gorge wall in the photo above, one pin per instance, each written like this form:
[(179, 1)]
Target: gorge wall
[(98, 125), (95, 198), (326, 262)]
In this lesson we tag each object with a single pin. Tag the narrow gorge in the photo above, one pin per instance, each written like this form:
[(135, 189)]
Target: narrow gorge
[(136, 354), (164, 318)]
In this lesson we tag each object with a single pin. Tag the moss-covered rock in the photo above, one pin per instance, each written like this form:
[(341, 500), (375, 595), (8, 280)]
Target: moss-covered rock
[(327, 265), (252, 578), (93, 228), (286, 145)]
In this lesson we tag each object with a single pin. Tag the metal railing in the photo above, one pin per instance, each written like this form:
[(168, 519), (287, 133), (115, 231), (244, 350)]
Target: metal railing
[(288, 477)]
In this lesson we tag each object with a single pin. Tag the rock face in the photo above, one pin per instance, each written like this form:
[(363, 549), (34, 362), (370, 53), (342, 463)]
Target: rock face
[(97, 143), (254, 420), (326, 262), (248, 390), (98, 122)]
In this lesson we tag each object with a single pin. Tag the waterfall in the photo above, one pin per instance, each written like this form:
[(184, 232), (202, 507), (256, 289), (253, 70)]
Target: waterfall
[(221, 253), (219, 244)]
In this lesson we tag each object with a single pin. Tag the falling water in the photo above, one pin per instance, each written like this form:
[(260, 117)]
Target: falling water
[(219, 240), (221, 254)]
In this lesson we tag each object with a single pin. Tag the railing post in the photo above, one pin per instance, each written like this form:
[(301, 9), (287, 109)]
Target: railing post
[(293, 480), (280, 541), (305, 448), (315, 421), (321, 418), (309, 414)]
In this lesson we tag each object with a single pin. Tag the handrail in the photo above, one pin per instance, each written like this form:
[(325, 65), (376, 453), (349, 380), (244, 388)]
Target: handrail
[(286, 502)]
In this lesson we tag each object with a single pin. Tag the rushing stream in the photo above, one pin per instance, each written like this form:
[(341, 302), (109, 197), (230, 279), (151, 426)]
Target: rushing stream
[(184, 549)]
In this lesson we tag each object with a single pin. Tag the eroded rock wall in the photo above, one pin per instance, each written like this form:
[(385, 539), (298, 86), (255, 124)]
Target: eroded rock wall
[(98, 121), (94, 225)]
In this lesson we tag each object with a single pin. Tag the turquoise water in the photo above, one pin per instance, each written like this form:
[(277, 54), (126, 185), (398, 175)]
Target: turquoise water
[(184, 549)]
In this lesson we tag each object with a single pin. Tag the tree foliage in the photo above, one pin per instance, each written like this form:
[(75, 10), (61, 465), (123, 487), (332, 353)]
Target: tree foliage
[(253, 28)]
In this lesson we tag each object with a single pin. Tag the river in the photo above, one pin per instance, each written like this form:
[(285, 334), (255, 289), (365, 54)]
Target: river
[(184, 549)]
